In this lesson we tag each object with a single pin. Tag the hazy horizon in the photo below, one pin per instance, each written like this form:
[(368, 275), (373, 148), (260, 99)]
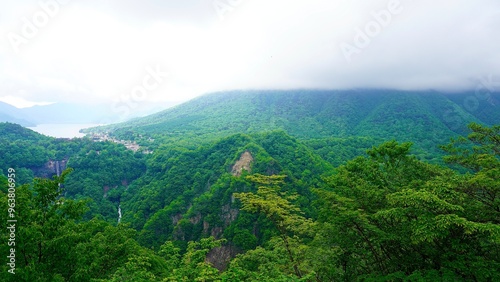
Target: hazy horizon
[(127, 53)]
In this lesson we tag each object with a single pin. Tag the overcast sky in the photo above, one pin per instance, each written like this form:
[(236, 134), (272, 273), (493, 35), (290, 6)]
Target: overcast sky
[(113, 50)]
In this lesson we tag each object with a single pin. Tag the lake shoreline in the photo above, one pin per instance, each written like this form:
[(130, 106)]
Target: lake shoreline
[(62, 130)]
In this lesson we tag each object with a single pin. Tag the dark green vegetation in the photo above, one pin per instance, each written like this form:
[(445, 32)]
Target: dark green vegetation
[(192, 191), (100, 167), (222, 201)]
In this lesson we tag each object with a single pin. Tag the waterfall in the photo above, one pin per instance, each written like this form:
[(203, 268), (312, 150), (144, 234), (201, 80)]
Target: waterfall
[(58, 170), (119, 213)]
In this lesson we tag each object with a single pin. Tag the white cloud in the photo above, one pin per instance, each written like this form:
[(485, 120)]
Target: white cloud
[(95, 51)]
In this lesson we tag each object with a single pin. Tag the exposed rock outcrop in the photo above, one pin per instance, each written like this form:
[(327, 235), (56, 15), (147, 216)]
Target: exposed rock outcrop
[(244, 163), (51, 168), (220, 257)]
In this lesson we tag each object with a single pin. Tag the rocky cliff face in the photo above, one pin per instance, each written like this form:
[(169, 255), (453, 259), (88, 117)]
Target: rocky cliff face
[(244, 163), (220, 257), (51, 168)]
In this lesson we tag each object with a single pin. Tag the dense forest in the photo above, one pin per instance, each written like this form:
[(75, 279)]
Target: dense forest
[(344, 186), (426, 118)]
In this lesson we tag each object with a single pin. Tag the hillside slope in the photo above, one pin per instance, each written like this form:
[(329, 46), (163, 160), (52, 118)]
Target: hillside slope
[(185, 195), (427, 118)]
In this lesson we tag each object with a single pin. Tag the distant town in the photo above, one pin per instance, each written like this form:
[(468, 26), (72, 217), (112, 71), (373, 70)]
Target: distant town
[(130, 145)]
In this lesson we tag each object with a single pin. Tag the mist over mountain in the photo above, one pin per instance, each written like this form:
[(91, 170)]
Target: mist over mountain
[(70, 113), (12, 114)]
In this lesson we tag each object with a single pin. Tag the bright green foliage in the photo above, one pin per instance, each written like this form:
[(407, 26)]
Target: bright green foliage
[(279, 209), (426, 118), (193, 266), (480, 153), (44, 220), (171, 254), (102, 172), (137, 268), (480, 150), (385, 215), (53, 245), (390, 215), (337, 150), (187, 195), (271, 263), (271, 202), (22, 149)]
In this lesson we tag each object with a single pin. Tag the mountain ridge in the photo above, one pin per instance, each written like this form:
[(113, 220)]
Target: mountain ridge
[(428, 118), (263, 99)]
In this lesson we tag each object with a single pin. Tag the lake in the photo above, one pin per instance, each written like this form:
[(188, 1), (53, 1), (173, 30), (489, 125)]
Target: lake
[(62, 130)]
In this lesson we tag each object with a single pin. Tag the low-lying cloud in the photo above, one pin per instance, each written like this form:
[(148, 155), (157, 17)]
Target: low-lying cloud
[(95, 51)]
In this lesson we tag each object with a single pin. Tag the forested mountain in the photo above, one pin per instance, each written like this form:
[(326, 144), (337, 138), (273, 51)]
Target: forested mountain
[(264, 186), (99, 166), (186, 195), (426, 118), (309, 113)]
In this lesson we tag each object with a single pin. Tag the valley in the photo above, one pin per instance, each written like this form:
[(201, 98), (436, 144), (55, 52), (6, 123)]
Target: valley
[(252, 141), (302, 185)]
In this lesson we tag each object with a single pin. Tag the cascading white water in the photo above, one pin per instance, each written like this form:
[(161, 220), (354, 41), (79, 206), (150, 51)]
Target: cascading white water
[(119, 213)]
